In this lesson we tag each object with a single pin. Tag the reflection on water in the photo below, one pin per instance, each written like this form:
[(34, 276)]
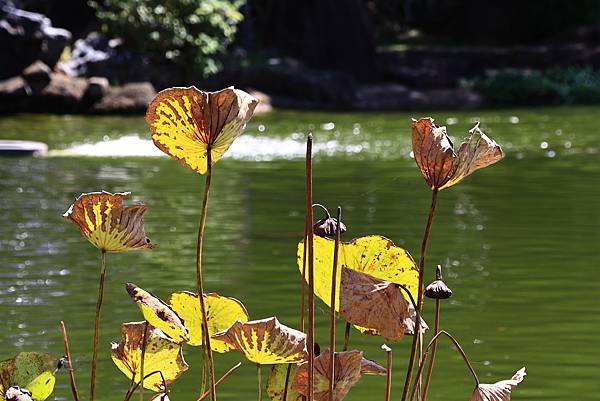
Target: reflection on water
[(517, 241)]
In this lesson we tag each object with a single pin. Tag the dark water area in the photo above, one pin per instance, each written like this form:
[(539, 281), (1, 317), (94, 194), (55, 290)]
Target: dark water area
[(518, 241)]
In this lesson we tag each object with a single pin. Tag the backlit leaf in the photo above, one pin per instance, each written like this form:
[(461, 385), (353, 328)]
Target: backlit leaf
[(347, 372), (159, 314), (33, 371), (186, 121), (221, 313), (373, 255), (162, 354), (375, 305), (276, 383), (499, 391), (107, 224), (266, 341), (440, 165)]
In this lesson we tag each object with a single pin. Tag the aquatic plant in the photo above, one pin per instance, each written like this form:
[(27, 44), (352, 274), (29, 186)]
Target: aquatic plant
[(368, 281)]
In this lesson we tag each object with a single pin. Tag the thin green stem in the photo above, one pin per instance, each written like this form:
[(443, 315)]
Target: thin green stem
[(221, 380), (259, 380), (460, 351), (433, 350), (332, 309), (201, 230), (417, 336), (63, 330), (311, 275), (346, 337), (97, 324)]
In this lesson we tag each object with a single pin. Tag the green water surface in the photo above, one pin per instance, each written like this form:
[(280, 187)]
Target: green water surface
[(518, 242)]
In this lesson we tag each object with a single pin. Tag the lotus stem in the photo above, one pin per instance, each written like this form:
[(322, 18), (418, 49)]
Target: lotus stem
[(259, 380), (201, 229), (333, 301), (433, 350), (416, 337), (97, 323), (203, 384), (63, 329), (132, 390), (346, 337), (144, 342), (311, 276), (287, 381), (303, 278), (388, 379), (460, 351), (221, 380)]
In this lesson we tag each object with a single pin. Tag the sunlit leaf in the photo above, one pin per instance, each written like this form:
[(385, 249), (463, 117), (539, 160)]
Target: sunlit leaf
[(276, 383), (499, 391), (33, 371), (347, 372), (16, 393), (440, 165), (107, 224), (162, 354), (373, 255), (186, 121), (159, 314), (266, 341), (221, 313), (375, 305)]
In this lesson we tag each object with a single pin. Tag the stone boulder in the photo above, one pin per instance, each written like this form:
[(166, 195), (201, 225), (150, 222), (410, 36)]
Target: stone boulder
[(26, 37), (129, 98)]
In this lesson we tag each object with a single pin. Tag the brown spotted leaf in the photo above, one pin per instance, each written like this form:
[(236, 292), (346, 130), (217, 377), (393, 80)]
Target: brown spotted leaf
[(347, 372), (186, 122), (162, 354), (369, 367), (107, 224), (30, 371), (440, 165), (277, 380), (499, 391), (266, 341), (375, 305), (159, 314)]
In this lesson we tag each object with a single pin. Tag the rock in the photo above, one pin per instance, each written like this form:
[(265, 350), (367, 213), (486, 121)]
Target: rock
[(382, 97), (14, 95), (26, 37), (37, 75), (96, 89), (63, 94), (129, 98), (264, 105)]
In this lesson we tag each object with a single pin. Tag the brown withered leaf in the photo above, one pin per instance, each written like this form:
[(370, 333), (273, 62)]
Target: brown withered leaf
[(347, 372), (159, 314), (162, 354), (266, 341), (369, 367), (277, 381), (440, 165), (186, 122), (375, 305), (499, 391), (107, 224)]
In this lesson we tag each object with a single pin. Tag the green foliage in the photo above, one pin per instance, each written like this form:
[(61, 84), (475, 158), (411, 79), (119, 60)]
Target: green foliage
[(190, 33), (573, 85)]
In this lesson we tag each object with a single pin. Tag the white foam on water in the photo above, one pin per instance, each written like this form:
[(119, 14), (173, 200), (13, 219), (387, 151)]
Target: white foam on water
[(246, 147)]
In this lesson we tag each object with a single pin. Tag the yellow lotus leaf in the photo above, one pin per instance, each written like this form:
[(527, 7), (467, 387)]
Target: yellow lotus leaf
[(159, 314), (277, 383), (440, 165), (347, 372), (221, 313), (107, 224), (266, 341), (373, 255), (186, 122), (162, 354), (499, 391), (32, 371)]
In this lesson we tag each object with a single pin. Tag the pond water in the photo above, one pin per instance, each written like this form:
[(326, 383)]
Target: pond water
[(518, 241)]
